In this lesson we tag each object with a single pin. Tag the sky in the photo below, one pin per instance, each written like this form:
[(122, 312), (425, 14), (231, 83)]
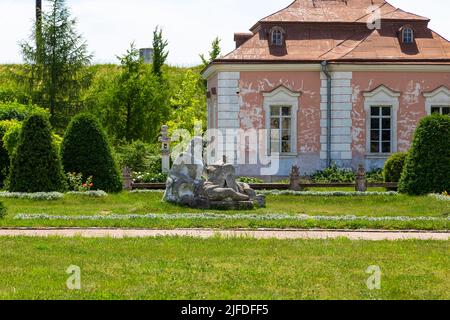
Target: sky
[(109, 26)]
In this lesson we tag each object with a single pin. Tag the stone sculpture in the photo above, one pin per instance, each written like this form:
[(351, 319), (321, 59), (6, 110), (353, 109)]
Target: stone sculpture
[(214, 187)]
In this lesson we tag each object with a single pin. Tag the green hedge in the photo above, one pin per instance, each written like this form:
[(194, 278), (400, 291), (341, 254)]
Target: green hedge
[(393, 167), (427, 167), (17, 111), (3, 210), (85, 149), (5, 126), (35, 165)]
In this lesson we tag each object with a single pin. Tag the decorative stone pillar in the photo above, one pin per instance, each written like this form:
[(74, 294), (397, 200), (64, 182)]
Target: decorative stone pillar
[(361, 181), (295, 178), (127, 180), (165, 148)]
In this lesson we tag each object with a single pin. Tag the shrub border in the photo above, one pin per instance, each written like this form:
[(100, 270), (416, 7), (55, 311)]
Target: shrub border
[(50, 196)]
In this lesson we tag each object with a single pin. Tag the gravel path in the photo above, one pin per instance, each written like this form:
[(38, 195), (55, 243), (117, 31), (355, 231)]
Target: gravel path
[(374, 235)]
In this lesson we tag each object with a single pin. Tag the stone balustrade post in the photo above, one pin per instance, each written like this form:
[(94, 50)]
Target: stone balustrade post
[(295, 179), (361, 180), (127, 180)]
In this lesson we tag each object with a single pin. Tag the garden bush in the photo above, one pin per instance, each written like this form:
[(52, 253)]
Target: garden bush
[(139, 177), (17, 111), (2, 210), (85, 149), (250, 180), (35, 165), (11, 137), (137, 156), (375, 176), (427, 166), (5, 125), (393, 167), (334, 174)]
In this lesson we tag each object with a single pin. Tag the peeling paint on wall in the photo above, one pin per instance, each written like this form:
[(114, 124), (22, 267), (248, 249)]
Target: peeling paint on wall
[(254, 84), (412, 103)]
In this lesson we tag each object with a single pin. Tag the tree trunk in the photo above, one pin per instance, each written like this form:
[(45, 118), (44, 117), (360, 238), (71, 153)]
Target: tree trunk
[(38, 31), (128, 126)]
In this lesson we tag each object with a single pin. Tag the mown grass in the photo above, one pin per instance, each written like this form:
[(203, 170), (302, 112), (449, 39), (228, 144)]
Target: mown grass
[(217, 268), (134, 203)]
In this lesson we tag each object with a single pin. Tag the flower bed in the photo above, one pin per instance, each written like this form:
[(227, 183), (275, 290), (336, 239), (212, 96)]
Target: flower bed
[(441, 197), (147, 191), (33, 196), (50, 196), (326, 193), (93, 194), (217, 216)]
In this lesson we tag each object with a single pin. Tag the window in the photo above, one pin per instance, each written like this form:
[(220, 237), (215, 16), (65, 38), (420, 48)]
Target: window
[(381, 108), (277, 37), (444, 110), (438, 101), (380, 129), (408, 35), (281, 129), (281, 107)]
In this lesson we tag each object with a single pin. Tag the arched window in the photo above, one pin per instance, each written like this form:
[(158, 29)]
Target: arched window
[(276, 38), (408, 35)]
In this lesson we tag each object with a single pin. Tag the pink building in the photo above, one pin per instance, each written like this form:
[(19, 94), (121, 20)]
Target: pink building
[(332, 81)]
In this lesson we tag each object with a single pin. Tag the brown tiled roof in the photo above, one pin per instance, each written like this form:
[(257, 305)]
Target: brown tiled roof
[(338, 11), (332, 30)]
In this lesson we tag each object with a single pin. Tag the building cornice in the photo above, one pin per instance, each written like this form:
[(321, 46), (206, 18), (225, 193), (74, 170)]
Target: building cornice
[(215, 68)]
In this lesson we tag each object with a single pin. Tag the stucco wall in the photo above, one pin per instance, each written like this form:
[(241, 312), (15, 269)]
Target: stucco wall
[(252, 86), (411, 106), (240, 104)]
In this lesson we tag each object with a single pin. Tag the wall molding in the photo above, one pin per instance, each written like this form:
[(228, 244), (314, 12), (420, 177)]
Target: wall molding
[(282, 96), (382, 96), (438, 97), (213, 69)]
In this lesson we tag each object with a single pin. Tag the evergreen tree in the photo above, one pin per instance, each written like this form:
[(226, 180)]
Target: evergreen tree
[(86, 150), (160, 53), (427, 167), (55, 60), (35, 165), (213, 54)]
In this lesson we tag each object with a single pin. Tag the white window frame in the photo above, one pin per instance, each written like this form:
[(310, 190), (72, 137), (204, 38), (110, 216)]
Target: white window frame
[(282, 96), (404, 35), (382, 97), (441, 109), (380, 128), (437, 98), (280, 117)]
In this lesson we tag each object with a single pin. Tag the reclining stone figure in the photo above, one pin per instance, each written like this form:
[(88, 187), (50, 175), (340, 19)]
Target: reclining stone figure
[(189, 183)]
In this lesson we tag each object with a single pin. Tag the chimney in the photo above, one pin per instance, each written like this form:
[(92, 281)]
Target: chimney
[(241, 38)]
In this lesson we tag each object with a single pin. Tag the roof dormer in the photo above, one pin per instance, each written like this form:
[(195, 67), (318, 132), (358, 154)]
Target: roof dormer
[(277, 36), (407, 34)]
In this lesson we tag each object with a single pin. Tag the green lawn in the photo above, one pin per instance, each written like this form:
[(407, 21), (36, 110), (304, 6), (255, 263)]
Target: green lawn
[(134, 203), (187, 268)]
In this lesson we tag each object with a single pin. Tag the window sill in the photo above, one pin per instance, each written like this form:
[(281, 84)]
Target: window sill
[(286, 155), (378, 155)]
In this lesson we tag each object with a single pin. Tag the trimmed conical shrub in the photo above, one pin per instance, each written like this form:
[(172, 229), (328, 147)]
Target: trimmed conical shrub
[(35, 166), (85, 149), (427, 167), (4, 156), (393, 167)]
